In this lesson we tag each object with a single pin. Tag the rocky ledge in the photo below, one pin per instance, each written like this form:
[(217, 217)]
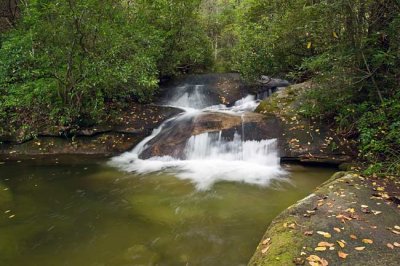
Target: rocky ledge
[(305, 140), (112, 137), (349, 220)]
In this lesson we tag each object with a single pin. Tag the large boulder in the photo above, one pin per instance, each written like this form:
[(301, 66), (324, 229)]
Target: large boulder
[(174, 136)]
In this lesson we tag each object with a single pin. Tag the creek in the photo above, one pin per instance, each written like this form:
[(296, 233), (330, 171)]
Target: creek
[(185, 195)]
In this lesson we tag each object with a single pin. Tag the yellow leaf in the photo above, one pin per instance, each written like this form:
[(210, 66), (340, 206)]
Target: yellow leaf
[(367, 241), (325, 234), (337, 229), (320, 248), (341, 244), (335, 35), (309, 44), (359, 248), (313, 258)]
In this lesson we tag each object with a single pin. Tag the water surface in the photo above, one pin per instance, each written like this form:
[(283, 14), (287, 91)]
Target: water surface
[(84, 212)]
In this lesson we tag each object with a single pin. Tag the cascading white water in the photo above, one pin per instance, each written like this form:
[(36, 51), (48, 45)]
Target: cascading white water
[(189, 97), (208, 157)]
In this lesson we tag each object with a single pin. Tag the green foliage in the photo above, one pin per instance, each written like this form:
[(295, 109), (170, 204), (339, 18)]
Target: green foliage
[(67, 60), (351, 49), (380, 136), (219, 19)]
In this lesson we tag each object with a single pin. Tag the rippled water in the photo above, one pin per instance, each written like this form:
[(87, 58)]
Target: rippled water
[(83, 212)]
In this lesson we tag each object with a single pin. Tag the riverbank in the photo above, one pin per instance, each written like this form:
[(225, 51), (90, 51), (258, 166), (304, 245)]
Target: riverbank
[(349, 220), (117, 133), (111, 137)]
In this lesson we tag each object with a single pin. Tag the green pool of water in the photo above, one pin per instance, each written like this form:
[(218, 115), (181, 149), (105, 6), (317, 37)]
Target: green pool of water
[(83, 212)]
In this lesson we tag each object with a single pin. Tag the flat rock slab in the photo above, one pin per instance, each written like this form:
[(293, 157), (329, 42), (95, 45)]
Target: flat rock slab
[(349, 220)]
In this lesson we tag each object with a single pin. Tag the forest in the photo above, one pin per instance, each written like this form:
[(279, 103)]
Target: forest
[(71, 63)]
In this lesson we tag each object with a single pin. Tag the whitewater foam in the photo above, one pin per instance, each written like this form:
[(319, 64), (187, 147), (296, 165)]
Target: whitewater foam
[(208, 157)]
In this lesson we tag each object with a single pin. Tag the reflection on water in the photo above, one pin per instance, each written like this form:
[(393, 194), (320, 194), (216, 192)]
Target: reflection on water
[(91, 214)]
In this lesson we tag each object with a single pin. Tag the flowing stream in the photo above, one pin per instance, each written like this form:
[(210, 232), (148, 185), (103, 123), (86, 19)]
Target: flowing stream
[(208, 205), (208, 157)]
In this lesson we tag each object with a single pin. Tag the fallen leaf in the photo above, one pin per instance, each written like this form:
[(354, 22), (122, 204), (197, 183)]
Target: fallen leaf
[(342, 255), (341, 244), (376, 212), (359, 248), (263, 251), (325, 234), (266, 241), (324, 262), (389, 245), (367, 241), (353, 237), (308, 233), (337, 229), (325, 244), (320, 248), (397, 227), (292, 226), (313, 258), (396, 244), (395, 232)]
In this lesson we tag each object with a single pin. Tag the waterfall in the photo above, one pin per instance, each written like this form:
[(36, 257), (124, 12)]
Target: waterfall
[(209, 157)]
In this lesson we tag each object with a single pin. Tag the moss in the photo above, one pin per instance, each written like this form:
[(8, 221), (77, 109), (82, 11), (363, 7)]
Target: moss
[(285, 243)]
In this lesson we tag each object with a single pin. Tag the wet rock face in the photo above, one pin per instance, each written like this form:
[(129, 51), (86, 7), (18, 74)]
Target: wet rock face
[(172, 140)]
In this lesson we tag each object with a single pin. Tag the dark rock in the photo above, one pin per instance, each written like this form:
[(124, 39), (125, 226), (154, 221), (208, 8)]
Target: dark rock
[(269, 82), (172, 140)]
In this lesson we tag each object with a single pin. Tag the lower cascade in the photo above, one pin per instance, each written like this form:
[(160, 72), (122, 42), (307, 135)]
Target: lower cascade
[(209, 157)]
